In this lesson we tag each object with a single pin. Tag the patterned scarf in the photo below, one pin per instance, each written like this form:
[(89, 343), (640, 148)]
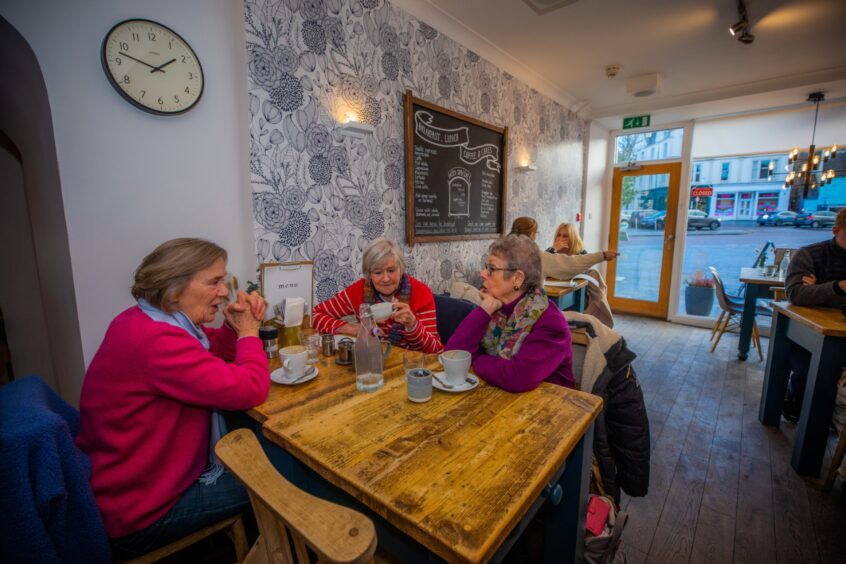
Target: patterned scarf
[(403, 294), (505, 334)]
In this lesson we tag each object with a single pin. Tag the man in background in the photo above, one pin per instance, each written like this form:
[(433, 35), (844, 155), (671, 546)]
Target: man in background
[(816, 277)]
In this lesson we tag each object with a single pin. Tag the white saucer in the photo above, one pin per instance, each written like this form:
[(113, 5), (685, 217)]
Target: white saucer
[(279, 377), (465, 386)]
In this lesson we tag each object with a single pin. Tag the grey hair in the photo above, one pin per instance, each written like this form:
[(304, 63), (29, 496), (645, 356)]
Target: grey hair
[(520, 253), (379, 251), (165, 273)]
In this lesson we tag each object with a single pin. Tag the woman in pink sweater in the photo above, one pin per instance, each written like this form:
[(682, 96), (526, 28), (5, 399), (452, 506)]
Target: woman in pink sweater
[(147, 401)]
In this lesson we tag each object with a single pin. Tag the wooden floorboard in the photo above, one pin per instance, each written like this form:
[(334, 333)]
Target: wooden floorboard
[(722, 488)]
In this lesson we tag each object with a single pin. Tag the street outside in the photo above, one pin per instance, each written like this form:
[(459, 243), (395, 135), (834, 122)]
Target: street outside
[(730, 248)]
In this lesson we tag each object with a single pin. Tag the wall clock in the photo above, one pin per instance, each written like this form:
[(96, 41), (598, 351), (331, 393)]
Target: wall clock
[(152, 67)]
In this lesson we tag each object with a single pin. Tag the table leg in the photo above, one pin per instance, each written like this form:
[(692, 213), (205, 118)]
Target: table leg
[(564, 535), (746, 321), (581, 299), (777, 372), (812, 433)]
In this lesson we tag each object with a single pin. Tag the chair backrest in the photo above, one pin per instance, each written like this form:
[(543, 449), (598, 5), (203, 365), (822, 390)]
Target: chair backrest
[(287, 515), (721, 290), (450, 313), (49, 513)]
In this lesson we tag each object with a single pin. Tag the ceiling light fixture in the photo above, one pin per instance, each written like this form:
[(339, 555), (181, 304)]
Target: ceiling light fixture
[(740, 30), (815, 169)]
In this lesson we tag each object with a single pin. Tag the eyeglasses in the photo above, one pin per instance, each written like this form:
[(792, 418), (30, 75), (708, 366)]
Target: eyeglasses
[(490, 269)]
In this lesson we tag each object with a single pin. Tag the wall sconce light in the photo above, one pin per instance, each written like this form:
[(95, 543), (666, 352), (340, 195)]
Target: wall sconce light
[(525, 168), (353, 128)]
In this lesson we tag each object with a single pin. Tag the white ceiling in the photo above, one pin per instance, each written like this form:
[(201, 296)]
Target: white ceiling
[(800, 45)]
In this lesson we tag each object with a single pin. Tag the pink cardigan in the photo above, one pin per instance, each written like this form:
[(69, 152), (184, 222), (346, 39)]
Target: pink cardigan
[(146, 409)]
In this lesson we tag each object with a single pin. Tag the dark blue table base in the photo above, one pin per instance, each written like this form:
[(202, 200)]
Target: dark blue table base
[(750, 302), (574, 301), (828, 355), (564, 523)]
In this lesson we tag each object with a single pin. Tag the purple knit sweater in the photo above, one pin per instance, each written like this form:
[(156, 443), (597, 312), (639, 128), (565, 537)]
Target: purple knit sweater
[(546, 354)]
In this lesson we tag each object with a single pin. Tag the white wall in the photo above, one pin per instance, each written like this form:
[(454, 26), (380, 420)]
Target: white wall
[(20, 291), (767, 132), (131, 180), (596, 196)]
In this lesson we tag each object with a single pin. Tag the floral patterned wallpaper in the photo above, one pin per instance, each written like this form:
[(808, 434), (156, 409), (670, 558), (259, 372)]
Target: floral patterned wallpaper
[(321, 196)]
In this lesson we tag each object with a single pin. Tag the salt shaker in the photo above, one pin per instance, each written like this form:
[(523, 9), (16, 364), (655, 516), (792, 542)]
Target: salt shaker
[(327, 344)]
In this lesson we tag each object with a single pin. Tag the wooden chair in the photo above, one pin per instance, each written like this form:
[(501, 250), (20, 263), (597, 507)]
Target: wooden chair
[(730, 309), (236, 534), (287, 515)]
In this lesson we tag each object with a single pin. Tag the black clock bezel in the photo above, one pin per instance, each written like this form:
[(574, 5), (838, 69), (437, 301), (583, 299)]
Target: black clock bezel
[(104, 62)]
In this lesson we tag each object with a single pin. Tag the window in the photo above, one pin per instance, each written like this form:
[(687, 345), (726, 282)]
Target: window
[(724, 171), (725, 204), (637, 147), (697, 172), (764, 170)]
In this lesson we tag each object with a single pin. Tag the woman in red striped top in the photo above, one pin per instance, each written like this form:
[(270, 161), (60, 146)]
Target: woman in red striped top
[(411, 324)]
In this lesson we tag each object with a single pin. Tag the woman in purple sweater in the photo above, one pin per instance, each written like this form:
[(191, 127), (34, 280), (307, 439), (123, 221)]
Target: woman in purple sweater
[(517, 337)]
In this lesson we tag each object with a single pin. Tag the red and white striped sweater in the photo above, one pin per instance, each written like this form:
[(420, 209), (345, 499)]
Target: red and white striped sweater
[(423, 337)]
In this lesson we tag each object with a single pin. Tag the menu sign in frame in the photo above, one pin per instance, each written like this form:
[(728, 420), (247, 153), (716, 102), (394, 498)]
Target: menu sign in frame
[(455, 175)]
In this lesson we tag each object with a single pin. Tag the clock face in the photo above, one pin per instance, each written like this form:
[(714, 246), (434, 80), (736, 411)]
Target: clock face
[(152, 67)]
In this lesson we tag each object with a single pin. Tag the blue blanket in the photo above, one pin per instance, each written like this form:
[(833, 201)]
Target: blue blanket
[(48, 513)]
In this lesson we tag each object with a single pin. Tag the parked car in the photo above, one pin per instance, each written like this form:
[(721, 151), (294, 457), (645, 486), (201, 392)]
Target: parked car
[(816, 218), (634, 218), (656, 220), (777, 218), (697, 219)]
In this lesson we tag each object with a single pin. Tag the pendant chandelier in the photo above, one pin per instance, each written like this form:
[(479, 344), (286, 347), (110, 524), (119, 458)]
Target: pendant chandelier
[(816, 168)]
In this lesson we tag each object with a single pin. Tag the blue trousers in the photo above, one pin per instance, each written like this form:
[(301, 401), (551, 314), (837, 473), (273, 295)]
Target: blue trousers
[(200, 506)]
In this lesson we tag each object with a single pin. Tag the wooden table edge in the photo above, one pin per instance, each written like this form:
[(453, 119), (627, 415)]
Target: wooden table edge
[(449, 552), (800, 314)]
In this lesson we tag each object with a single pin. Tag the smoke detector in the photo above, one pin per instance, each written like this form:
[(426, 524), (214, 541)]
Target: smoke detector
[(644, 85), (612, 70)]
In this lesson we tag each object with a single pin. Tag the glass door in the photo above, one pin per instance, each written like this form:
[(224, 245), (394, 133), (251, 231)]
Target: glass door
[(644, 201)]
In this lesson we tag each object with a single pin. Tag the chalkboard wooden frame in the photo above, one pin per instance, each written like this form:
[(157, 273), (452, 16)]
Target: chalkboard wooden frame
[(411, 237)]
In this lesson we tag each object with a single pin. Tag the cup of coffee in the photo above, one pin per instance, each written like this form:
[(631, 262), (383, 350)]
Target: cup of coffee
[(293, 361), (381, 311), (419, 384), (456, 364)]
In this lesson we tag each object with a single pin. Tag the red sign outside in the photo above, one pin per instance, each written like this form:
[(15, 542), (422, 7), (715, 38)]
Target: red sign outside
[(702, 192)]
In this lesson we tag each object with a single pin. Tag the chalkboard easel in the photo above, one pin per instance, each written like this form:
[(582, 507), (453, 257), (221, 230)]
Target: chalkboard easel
[(455, 171)]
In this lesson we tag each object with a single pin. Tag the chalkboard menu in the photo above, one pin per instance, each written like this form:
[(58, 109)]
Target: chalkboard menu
[(455, 171)]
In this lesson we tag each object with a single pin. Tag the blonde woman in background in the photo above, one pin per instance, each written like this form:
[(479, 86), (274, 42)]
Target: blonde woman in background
[(567, 258), (560, 265)]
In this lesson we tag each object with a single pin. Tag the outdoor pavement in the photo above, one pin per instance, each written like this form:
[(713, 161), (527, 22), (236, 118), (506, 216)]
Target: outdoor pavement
[(730, 248)]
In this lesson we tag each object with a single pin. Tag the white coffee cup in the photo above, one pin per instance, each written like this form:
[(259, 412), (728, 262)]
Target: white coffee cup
[(293, 361), (381, 311), (456, 364)]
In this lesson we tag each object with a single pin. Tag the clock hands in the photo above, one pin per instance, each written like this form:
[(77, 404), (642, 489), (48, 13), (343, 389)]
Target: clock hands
[(153, 68), (137, 60), (160, 67)]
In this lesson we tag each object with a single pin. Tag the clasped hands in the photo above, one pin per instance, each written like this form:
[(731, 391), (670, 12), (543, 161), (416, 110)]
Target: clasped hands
[(246, 313)]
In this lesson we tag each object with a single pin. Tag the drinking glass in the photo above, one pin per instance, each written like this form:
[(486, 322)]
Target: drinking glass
[(412, 360), (312, 343)]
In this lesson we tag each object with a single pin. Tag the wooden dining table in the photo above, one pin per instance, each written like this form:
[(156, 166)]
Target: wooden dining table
[(822, 332), (757, 286), (457, 478)]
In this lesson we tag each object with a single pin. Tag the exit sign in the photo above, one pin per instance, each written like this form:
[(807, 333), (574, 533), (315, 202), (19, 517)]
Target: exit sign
[(635, 121)]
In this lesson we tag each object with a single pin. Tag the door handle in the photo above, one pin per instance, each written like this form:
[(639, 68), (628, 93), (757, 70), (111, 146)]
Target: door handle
[(671, 237)]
